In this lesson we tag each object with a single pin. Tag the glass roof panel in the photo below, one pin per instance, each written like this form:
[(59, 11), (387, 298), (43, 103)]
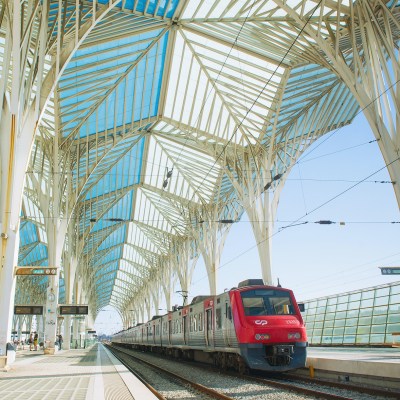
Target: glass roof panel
[(101, 78), (37, 256), (125, 172)]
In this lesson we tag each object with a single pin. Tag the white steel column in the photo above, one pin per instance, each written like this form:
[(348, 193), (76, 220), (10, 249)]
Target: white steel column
[(14, 150), (75, 324), (69, 279), (212, 235), (185, 263), (17, 129), (50, 314), (166, 283), (370, 68), (258, 191)]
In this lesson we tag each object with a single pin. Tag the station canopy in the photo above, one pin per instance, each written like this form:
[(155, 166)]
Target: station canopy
[(155, 115)]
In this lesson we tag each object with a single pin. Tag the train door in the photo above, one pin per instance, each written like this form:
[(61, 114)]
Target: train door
[(209, 327), (169, 331), (185, 329), (227, 317), (161, 330)]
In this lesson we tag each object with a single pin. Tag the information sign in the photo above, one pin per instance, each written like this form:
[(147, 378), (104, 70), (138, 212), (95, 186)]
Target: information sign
[(74, 310), (35, 271), (28, 310), (390, 270)]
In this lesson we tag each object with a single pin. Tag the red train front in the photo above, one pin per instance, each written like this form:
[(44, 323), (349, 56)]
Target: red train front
[(269, 327)]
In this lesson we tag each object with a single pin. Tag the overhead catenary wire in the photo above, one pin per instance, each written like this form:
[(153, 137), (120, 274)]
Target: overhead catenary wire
[(123, 174), (295, 222)]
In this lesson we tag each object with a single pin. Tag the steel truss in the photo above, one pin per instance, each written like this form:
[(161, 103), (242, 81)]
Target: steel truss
[(149, 129)]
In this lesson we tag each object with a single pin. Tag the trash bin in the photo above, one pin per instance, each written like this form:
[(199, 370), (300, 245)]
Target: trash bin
[(10, 353)]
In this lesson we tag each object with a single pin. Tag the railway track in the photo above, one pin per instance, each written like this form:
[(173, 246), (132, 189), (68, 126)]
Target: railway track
[(373, 391), (266, 388), (205, 391), (294, 381)]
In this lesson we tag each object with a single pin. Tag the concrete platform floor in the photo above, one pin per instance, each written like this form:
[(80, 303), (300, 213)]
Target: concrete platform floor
[(83, 374)]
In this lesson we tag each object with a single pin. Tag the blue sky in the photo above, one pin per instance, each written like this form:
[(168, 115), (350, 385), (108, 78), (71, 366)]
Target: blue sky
[(311, 259)]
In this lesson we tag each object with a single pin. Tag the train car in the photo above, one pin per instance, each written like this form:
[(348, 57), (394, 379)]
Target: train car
[(252, 326)]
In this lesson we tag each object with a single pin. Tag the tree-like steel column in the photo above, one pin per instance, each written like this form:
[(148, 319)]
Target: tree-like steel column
[(166, 282), (369, 65), (211, 238), (185, 259), (70, 265), (14, 150), (27, 39)]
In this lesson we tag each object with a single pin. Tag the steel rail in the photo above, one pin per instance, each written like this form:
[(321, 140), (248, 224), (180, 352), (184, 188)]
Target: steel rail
[(282, 385), (201, 388), (346, 386)]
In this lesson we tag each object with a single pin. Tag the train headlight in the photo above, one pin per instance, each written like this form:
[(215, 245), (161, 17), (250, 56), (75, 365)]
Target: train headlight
[(294, 335), (261, 336)]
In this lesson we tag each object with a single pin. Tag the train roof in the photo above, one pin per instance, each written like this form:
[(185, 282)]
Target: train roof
[(251, 282), (198, 299)]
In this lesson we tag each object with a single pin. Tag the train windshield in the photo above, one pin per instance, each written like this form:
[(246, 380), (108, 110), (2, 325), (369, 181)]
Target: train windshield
[(267, 302)]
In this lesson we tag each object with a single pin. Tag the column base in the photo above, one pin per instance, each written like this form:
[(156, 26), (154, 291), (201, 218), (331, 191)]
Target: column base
[(4, 367)]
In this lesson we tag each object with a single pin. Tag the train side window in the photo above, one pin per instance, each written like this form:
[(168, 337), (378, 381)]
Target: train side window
[(218, 321), (191, 323), (195, 323), (209, 320), (229, 312), (200, 321)]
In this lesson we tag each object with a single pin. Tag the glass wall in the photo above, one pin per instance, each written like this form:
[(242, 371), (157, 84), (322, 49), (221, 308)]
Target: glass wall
[(364, 317)]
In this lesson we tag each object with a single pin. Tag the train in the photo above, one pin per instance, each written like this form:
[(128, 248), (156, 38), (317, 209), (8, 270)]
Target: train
[(249, 327)]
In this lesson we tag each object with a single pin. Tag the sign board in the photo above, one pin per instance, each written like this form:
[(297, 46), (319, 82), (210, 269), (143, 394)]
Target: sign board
[(74, 310), (35, 271), (390, 270), (91, 331), (28, 310)]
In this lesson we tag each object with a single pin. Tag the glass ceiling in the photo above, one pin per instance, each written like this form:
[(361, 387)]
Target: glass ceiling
[(158, 100)]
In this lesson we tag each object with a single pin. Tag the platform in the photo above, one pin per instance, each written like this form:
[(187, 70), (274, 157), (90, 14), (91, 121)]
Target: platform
[(87, 374), (368, 363), (95, 374)]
